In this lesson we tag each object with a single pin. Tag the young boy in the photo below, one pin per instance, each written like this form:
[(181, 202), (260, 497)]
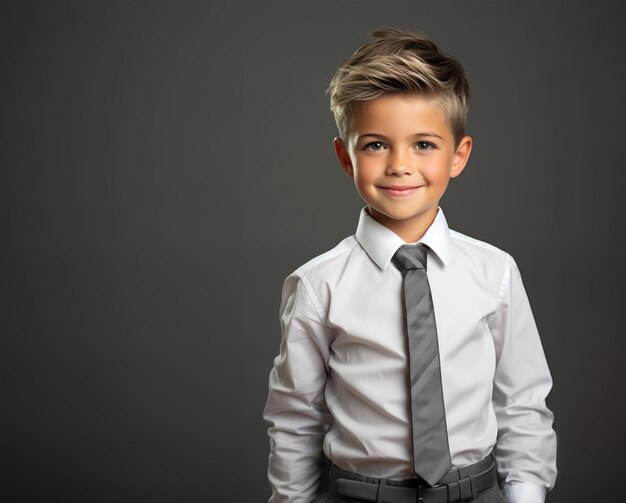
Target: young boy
[(409, 352)]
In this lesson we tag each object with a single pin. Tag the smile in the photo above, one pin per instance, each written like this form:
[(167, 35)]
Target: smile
[(400, 191)]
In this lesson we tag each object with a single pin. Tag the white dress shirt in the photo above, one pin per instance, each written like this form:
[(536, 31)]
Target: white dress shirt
[(340, 380)]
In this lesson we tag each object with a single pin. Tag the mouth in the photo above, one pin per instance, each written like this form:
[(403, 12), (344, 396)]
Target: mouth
[(394, 190)]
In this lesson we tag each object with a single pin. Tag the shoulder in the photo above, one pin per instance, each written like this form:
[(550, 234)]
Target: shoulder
[(328, 264), (483, 261), (327, 260), (312, 280), (479, 251), (324, 266)]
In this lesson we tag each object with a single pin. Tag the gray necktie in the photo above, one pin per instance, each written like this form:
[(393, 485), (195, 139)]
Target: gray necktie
[(431, 455)]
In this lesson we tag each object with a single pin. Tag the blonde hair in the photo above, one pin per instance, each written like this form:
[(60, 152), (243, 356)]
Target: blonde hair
[(397, 61)]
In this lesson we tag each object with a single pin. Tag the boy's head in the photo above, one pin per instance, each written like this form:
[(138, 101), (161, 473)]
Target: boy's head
[(396, 61), (401, 106)]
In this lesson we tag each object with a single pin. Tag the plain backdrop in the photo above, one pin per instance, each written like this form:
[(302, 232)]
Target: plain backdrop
[(166, 164)]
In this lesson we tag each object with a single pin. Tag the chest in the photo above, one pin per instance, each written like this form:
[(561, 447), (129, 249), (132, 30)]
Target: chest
[(367, 314)]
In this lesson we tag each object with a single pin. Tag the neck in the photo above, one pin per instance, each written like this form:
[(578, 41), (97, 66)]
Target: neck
[(411, 229)]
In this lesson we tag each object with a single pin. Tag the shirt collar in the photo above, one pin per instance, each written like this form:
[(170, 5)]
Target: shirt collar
[(380, 243)]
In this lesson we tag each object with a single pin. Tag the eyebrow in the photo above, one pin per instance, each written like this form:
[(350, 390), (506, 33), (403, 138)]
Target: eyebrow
[(416, 135)]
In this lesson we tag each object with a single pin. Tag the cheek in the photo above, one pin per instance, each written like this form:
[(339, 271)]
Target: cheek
[(362, 183), (364, 173), (438, 171)]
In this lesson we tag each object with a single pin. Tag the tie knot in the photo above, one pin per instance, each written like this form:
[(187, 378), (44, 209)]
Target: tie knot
[(409, 257)]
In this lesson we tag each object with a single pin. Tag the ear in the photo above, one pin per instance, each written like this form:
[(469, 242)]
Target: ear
[(461, 156), (344, 156)]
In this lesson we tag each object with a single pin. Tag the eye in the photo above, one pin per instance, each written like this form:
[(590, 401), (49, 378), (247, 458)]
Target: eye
[(374, 146), (424, 145)]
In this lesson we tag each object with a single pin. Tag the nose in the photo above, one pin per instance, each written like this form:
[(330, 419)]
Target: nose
[(400, 162)]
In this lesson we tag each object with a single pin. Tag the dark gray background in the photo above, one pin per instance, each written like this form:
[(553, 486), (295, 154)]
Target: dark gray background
[(148, 149)]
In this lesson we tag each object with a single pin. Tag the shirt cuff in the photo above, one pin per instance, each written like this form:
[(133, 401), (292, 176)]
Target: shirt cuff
[(524, 492)]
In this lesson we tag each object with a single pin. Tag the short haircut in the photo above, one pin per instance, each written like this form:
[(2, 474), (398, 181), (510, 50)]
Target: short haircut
[(397, 61)]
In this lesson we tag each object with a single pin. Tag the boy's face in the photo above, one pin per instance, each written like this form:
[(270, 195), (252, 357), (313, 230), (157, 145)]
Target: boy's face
[(401, 155)]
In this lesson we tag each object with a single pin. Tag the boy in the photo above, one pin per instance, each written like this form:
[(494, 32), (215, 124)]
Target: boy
[(409, 352)]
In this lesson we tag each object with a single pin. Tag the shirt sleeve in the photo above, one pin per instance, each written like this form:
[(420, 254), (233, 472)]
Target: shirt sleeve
[(526, 447), (296, 407)]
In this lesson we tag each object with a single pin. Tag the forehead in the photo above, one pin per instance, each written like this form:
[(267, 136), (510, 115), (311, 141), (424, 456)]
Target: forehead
[(402, 115)]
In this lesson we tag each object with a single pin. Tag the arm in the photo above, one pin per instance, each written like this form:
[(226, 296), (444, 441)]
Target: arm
[(526, 449), (295, 406)]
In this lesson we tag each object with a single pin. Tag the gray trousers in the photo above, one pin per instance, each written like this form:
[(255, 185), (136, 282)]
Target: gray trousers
[(493, 495), (328, 495)]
